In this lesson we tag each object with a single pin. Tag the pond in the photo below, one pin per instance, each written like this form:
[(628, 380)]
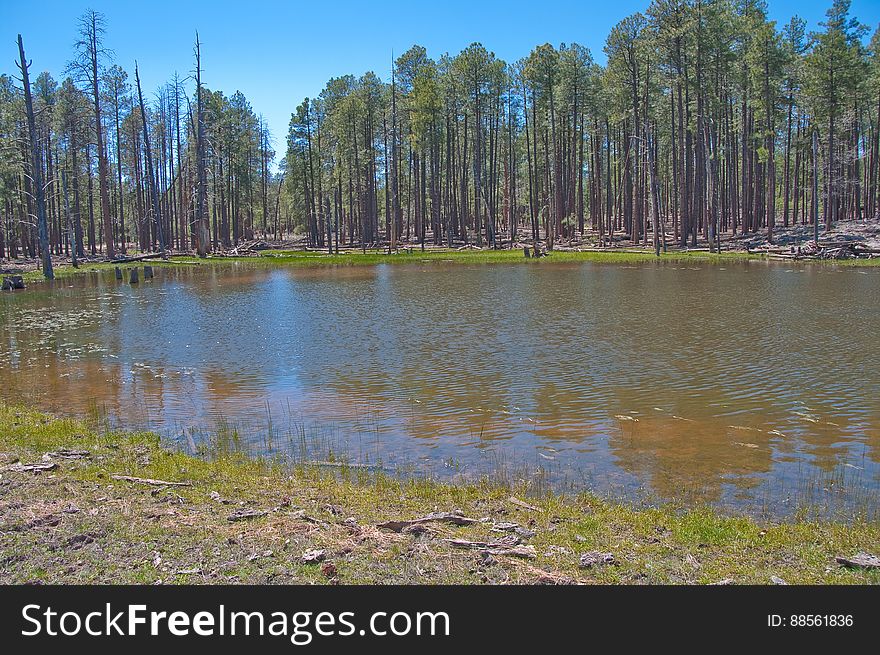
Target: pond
[(749, 385)]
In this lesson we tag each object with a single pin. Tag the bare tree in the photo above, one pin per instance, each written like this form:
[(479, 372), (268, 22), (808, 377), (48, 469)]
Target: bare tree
[(90, 51), (71, 232), (201, 179), (36, 165), (151, 174)]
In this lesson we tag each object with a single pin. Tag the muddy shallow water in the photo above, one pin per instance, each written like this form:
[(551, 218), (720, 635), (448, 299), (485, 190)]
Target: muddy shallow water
[(753, 385)]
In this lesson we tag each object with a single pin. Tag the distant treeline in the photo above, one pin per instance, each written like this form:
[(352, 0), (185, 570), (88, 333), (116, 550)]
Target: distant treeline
[(707, 119)]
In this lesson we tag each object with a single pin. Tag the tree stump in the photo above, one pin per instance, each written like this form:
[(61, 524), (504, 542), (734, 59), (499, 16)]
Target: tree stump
[(118, 272), (148, 272), (13, 282), (133, 276), (526, 252)]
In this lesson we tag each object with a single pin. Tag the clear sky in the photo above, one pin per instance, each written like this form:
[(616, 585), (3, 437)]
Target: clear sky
[(278, 52)]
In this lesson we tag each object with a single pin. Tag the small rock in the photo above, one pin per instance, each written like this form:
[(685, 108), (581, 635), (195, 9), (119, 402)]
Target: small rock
[(80, 540), (860, 561), (557, 550), (48, 521), (314, 556), (217, 498), (777, 580), (593, 558), (416, 530), (329, 570), (172, 498), (245, 515), (486, 558), (256, 556)]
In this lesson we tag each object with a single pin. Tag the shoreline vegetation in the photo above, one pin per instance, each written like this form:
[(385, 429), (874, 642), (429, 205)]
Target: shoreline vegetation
[(80, 505), (283, 256)]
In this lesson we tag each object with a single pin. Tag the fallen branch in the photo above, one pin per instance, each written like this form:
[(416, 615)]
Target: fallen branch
[(32, 468), (441, 517), (466, 544), (138, 258), (505, 547), (519, 503), (527, 552), (513, 527), (549, 577)]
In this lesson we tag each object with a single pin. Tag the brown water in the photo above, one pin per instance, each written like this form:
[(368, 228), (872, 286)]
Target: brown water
[(748, 385)]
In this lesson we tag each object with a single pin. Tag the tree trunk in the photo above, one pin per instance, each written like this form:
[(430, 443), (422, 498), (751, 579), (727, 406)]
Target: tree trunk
[(36, 166)]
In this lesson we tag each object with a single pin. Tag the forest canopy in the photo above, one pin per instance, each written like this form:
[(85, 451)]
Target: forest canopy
[(707, 119)]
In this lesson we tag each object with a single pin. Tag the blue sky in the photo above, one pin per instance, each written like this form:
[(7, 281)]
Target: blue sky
[(277, 52)]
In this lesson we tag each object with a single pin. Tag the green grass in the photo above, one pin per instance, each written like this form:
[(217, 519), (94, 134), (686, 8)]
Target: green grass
[(78, 524), (313, 259), (414, 256), (472, 256)]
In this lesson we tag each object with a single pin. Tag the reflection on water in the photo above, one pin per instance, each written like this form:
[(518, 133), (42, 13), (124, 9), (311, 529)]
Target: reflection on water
[(749, 385)]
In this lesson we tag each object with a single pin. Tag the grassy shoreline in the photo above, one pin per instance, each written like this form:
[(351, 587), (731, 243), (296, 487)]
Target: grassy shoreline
[(414, 256), (76, 523)]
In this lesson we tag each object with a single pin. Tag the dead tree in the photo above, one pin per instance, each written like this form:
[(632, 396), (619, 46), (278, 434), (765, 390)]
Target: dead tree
[(655, 200), (154, 192), (816, 187), (71, 233), (90, 51), (201, 179), (36, 166)]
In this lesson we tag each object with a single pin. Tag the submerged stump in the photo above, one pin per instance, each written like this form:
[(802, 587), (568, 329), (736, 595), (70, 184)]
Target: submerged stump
[(11, 282), (148, 272), (133, 276), (118, 272)]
